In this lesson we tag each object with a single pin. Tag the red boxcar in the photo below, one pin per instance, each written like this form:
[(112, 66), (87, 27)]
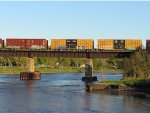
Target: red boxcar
[(147, 44), (26, 43)]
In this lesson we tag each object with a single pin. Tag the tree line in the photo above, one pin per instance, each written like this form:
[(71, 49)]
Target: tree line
[(62, 62)]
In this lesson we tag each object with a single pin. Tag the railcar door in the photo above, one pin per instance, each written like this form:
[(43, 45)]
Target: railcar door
[(71, 43), (119, 44)]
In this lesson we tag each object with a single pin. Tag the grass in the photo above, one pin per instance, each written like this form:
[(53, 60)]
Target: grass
[(11, 70), (139, 83), (108, 70), (17, 70)]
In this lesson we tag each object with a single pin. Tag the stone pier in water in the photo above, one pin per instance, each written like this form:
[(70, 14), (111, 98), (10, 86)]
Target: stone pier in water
[(30, 73), (89, 72)]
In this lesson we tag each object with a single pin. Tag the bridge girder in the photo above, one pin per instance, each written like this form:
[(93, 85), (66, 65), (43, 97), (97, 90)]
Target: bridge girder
[(65, 54)]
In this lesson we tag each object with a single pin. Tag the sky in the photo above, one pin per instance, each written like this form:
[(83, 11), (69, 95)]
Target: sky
[(77, 19)]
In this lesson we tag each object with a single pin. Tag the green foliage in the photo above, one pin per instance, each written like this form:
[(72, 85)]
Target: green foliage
[(106, 64), (97, 63), (110, 63), (140, 83), (111, 81), (102, 65), (138, 65), (13, 61)]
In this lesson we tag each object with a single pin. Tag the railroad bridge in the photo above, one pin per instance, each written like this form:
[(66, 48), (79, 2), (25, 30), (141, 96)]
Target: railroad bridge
[(30, 54)]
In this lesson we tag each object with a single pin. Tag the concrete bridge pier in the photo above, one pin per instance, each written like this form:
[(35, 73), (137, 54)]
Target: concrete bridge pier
[(89, 72), (30, 73)]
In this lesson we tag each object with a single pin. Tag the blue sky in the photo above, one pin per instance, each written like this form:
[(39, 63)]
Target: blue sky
[(116, 20)]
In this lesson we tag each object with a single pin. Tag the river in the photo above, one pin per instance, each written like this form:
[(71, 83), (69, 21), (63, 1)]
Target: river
[(65, 93)]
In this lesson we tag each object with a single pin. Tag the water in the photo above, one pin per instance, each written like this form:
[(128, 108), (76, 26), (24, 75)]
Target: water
[(65, 93)]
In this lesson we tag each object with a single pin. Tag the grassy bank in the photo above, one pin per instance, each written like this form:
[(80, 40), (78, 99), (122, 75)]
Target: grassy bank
[(11, 70), (104, 70), (138, 83), (17, 70)]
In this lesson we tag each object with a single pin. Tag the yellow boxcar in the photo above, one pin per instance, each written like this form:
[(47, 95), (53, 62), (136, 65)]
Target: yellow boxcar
[(106, 44), (133, 44), (58, 43), (85, 43)]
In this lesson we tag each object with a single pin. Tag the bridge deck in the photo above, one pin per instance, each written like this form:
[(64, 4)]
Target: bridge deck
[(65, 54)]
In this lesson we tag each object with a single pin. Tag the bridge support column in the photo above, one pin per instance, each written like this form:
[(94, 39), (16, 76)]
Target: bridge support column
[(89, 72), (30, 74), (30, 67)]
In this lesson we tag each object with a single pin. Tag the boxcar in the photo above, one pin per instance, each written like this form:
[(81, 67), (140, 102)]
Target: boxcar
[(26, 43), (117, 44), (147, 44), (72, 44)]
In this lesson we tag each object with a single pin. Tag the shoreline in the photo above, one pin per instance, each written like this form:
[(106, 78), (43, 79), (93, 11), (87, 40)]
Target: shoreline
[(129, 85)]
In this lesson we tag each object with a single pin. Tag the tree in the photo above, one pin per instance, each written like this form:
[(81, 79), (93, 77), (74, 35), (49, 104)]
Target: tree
[(110, 63), (97, 63), (137, 65)]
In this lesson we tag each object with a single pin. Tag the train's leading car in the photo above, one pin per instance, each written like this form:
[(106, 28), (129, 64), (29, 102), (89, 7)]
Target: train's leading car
[(72, 44), (26, 43), (147, 44)]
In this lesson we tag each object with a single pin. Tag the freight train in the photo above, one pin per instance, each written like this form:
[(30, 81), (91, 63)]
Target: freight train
[(72, 44)]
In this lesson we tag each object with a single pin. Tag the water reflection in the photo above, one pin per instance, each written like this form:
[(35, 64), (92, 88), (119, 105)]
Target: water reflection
[(65, 93)]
